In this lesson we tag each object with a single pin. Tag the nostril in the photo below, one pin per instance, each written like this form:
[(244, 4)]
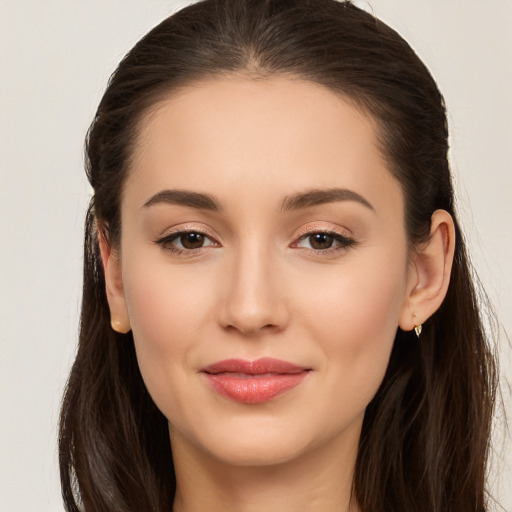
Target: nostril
[(249, 329)]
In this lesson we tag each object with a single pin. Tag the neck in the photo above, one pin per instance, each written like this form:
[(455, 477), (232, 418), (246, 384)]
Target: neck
[(320, 480)]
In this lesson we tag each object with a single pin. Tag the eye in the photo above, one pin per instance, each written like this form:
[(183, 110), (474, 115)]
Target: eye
[(324, 241), (186, 241), (191, 240), (320, 241)]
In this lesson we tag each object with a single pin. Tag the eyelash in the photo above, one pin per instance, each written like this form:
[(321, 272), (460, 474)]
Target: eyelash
[(344, 242), (176, 235)]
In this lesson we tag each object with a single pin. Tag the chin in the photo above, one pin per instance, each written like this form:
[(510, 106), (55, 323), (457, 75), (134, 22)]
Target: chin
[(259, 452), (267, 441)]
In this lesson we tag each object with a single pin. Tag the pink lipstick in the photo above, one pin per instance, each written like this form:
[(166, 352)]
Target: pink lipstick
[(254, 382)]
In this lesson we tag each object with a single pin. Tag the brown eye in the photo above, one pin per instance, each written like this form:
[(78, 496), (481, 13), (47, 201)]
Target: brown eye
[(183, 242), (319, 241), (325, 242), (192, 240)]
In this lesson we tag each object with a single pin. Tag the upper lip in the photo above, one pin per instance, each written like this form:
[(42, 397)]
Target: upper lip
[(257, 367)]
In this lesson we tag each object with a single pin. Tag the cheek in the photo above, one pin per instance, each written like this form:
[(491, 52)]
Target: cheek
[(360, 302), (165, 304), (167, 309), (355, 320)]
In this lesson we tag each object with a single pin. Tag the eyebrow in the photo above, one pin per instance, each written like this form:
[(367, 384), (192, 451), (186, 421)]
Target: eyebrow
[(297, 201), (185, 198), (322, 196)]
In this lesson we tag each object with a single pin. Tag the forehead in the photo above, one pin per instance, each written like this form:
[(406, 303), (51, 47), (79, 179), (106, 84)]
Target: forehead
[(282, 133)]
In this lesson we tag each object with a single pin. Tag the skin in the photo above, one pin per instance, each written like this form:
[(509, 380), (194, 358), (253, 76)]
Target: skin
[(261, 287)]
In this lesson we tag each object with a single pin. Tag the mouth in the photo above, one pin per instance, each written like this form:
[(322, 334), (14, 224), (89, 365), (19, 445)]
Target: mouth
[(254, 382)]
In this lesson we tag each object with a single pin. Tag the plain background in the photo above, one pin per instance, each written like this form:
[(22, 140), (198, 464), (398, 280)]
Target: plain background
[(55, 59)]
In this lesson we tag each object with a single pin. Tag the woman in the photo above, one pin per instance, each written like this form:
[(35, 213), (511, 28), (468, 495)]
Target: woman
[(277, 312)]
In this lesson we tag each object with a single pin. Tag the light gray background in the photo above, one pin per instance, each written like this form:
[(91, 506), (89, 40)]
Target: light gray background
[(55, 59)]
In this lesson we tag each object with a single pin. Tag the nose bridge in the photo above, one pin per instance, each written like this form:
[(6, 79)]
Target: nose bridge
[(253, 299)]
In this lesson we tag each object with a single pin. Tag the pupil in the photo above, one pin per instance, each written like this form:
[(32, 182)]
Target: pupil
[(192, 240), (321, 241)]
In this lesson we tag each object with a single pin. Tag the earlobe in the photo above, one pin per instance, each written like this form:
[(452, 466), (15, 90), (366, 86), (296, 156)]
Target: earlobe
[(429, 274), (120, 320)]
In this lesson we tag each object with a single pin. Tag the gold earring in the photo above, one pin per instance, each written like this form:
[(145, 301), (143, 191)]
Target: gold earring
[(418, 329)]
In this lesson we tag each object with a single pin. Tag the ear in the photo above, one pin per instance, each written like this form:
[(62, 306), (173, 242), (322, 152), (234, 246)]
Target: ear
[(429, 274), (120, 320)]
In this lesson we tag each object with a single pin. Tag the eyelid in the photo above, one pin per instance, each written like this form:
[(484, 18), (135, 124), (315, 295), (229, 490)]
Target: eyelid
[(310, 229), (342, 236), (189, 228), (175, 232)]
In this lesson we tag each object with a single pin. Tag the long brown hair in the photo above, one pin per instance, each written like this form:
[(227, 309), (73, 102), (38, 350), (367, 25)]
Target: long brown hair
[(426, 433)]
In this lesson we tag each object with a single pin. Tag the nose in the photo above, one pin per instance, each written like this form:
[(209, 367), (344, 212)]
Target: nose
[(254, 300)]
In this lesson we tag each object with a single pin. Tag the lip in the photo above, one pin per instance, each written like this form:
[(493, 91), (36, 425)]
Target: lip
[(254, 382)]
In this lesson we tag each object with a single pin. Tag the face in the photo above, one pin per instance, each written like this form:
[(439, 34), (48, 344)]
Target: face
[(264, 266)]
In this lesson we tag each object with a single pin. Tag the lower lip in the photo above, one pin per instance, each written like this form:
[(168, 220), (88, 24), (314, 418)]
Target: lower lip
[(254, 389)]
